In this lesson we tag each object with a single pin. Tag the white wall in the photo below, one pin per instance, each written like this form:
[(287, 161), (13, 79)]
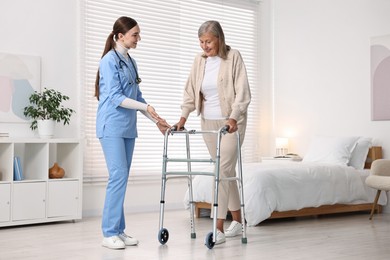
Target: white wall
[(322, 69), (48, 29)]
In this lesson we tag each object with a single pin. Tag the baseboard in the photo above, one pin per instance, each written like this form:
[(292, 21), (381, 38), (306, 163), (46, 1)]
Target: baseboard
[(134, 210)]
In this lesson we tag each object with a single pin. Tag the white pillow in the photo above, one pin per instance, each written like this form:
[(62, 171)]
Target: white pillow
[(334, 150), (359, 154)]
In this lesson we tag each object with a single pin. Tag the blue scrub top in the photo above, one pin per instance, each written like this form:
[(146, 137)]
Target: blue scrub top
[(116, 83)]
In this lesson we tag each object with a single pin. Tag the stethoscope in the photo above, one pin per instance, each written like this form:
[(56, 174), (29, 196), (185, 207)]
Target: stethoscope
[(137, 78)]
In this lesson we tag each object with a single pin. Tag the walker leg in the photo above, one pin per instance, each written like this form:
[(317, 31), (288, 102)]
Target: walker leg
[(162, 202), (163, 234), (193, 234), (211, 238), (240, 184), (244, 239), (192, 205)]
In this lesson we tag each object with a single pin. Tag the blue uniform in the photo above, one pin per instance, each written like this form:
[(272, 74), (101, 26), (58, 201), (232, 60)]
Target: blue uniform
[(117, 81), (116, 128)]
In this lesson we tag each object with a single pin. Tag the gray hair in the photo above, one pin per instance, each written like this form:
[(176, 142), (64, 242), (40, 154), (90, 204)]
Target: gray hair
[(215, 29)]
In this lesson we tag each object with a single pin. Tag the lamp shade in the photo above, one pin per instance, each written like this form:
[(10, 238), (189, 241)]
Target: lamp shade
[(281, 144)]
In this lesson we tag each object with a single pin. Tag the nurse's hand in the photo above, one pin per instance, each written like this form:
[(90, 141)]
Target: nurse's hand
[(162, 125), (152, 112)]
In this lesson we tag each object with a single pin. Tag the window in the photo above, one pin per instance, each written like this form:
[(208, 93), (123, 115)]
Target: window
[(164, 56)]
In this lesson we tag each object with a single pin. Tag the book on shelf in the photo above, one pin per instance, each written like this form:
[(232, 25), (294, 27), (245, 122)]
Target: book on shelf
[(18, 171)]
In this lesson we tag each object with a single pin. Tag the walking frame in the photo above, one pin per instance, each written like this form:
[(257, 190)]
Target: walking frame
[(211, 237)]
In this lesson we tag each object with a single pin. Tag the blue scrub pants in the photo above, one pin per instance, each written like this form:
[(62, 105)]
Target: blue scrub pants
[(118, 153)]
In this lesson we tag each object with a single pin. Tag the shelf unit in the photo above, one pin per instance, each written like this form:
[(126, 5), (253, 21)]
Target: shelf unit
[(37, 198)]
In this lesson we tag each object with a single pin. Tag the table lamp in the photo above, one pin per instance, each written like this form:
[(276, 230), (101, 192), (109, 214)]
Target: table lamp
[(281, 145)]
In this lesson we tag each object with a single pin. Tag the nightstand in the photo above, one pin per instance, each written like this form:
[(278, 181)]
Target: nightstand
[(286, 159)]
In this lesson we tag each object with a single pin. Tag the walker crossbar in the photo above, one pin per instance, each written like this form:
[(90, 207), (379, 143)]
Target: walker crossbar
[(190, 160), (191, 173)]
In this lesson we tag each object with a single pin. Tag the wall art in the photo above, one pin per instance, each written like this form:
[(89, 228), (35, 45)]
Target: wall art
[(20, 75), (380, 78)]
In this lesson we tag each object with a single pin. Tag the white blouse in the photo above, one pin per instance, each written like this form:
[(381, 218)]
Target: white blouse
[(211, 106)]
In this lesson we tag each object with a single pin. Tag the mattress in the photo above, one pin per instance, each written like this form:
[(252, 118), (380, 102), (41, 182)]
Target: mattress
[(274, 186)]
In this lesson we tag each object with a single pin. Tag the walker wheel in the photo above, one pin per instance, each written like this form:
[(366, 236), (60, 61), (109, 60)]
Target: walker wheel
[(209, 241), (163, 236)]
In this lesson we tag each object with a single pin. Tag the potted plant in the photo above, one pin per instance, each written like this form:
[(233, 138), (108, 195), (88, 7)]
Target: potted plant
[(45, 109)]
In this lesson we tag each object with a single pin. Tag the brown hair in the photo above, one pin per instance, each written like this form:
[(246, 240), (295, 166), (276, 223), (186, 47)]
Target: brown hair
[(215, 29), (122, 25)]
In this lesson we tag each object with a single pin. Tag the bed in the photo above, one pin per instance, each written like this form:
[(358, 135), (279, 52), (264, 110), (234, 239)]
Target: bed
[(324, 182)]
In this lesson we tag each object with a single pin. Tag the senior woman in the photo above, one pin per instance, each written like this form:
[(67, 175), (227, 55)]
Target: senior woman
[(218, 89)]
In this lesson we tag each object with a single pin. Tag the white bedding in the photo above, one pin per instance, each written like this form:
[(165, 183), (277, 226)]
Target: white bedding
[(275, 186)]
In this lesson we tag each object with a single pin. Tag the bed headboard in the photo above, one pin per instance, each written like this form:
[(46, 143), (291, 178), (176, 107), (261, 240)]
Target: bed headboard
[(374, 153)]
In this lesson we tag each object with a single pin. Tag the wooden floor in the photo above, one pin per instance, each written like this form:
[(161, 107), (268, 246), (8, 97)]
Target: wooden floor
[(346, 236)]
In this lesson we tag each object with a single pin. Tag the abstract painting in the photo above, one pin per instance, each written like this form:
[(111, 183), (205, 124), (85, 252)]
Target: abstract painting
[(20, 76), (380, 78)]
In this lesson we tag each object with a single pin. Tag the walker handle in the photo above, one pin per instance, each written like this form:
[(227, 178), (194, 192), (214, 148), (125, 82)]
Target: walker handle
[(174, 128), (225, 129)]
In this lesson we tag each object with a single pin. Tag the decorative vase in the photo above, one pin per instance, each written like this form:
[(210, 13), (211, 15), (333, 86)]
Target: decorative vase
[(56, 172), (46, 128)]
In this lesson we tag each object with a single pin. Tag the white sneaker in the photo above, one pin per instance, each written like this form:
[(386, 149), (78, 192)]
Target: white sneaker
[(128, 240), (220, 238), (234, 229), (113, 242)]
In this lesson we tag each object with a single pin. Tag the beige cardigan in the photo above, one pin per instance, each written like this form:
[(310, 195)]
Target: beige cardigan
[(233, 87)]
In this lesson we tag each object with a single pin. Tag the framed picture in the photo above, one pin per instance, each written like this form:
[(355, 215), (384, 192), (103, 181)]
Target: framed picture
[(380, 78), (20, 76)]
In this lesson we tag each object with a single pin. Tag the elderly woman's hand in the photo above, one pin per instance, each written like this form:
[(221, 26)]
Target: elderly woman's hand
[(232, 123), (180, 125)]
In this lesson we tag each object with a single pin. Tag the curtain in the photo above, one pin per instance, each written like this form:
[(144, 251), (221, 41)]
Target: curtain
[(164, 57)]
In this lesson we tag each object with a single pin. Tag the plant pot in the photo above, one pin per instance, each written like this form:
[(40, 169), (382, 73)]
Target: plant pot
[(46, 128)]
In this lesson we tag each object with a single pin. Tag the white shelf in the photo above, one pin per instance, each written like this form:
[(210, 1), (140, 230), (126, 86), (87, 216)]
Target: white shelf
[(37, 198)]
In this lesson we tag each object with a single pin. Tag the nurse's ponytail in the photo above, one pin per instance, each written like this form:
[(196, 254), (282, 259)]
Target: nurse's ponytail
[(122, 25), (110, 44)]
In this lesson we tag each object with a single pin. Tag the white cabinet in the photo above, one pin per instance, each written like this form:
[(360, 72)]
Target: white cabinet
[(60, 205), (37, 198), (28, 201), (5, 198)]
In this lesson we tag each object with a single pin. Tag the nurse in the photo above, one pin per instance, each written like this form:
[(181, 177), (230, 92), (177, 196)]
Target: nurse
[(119, 95)]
